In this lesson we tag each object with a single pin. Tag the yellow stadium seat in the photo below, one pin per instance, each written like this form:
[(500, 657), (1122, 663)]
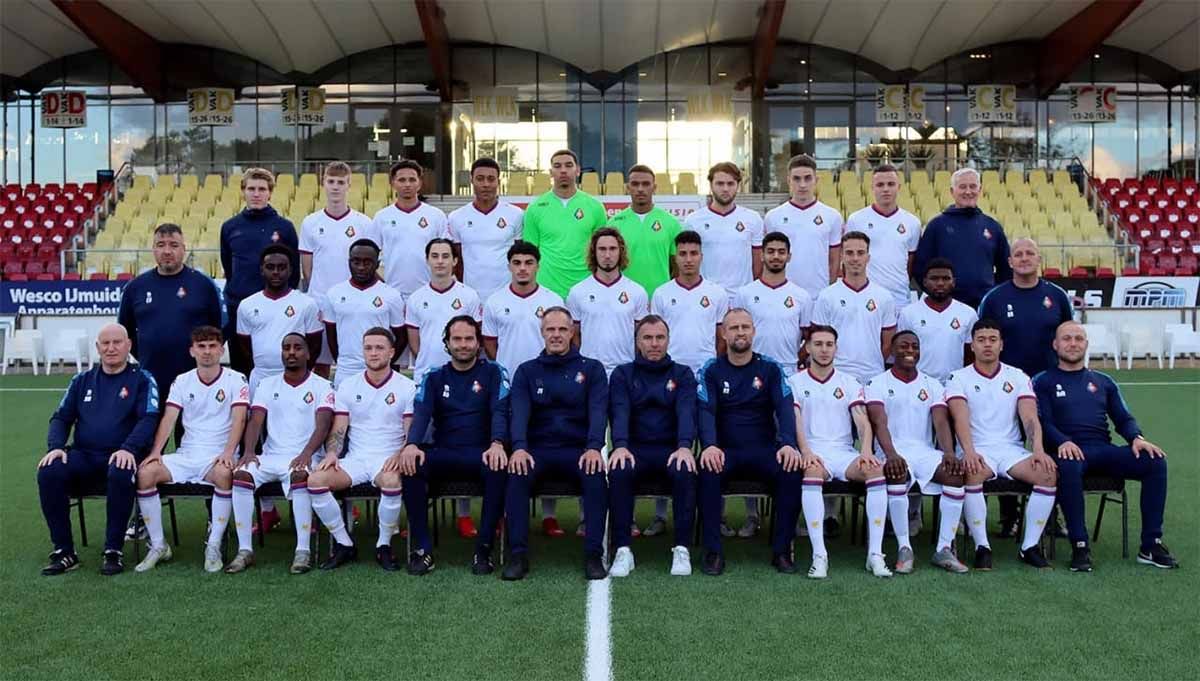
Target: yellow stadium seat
[(1061, 178), (590, 183), (919, 178), (687, 184), (142, 182), (1028, 206), (824, 177), (518, 183), (359, 181), (308, 180), (191, 182), (235, 181), (1037, 177), (213, 224), (1015, 228), (1088, 222), (663, 183), (285, 180), (1014, 178), (1064, 224), (371, 207), (1037, 222), (990, 178), (1053, 257), (213, 182), (941, 179)]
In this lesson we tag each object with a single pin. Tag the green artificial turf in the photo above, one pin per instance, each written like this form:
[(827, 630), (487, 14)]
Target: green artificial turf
[(1123, 621)]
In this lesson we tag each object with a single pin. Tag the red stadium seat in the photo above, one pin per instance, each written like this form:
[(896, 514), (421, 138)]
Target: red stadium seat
[(1181, 200), (97, 276), (1052, 273), (48, 222), (1162, 201), (81, 207), (124, 276), (69, 223), (71, 276), (1185, 231), (60, 206), (1129, 271), (27, 222), (20, 206), (1112, 186), (1191, 215), (25, 251), (1190, 262), (46, 276), (37, 235), (1150, 185), (1153, 215), (32, 191), (34, 268), (1155, 246), (1176, 246), (1131, 186), (1166, 262), (1173, 215), (8, 221), (8, 251), (17, 277), (1107, 272), (1170, 185), (1188, 187), (12, 192), (13, 267), (48, 251), (1123, 201), (1078, 273)]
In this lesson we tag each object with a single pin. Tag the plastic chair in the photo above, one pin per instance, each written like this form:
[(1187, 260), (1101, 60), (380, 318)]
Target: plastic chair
[(1102, 342), (68, 344), (1179, 339), (24, 344)]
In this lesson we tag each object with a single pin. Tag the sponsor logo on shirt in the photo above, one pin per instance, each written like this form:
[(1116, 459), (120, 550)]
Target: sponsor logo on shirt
[(578, 213), (422, 223), (788, 302), (181, 293), (1009, 308), (670, 385), (757, 383), (308, 397), (378, 302), (922, 395), (891, 393), (871, 305), (1008, 387), (350, 231), (724, 387), (289, 312), (123, 394), (456, 305), (704, 301), (539, 311), (220, 396), (390, 399), (838, 393), (579, 377), (977, 387), (445, 390), (149, 298), (1059, 392), (623, 298)]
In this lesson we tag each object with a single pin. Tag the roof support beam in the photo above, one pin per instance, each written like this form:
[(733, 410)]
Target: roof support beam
[(132, 49), (770, 17), (1077, 39), (437, 41)]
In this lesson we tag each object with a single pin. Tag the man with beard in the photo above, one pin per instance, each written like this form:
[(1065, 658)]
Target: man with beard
[(814, 228), (606, 305), (863, 312), (942, 323), (360, 303), (649, 231), (732, 234)]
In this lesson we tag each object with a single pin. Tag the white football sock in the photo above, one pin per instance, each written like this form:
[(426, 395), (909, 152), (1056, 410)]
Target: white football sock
[(975, 513), (302, 514), (877, 507), (150, 505), (222, 507), (1037, 512), (389, 515), (950, 507), (897, 501), (813, 504), (243, 514), (326, 508)]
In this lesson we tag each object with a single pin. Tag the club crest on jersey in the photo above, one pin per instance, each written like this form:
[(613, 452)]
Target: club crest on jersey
[(390, 399), (456, 305), (124, 392), (987, 233), (501, 224), (1008, 387), (624, 297), (308, 397), (476, 388), (900, 229), (422, 223), (350, 231), (704, 301), (838, 393), (788, 302), (220, 396), (579, 377), (954, 324), (181, 293), (1047, 303), (657, 226), (741, 226), (578, 213), (378, 302), (818, 221), (275, 236), (1092, 387), (670, 385), (289, 312), (757, 383), (871, 305), (539, 312), (922, 395)]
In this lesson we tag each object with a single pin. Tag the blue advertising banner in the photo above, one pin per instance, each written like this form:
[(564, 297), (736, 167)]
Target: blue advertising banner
[(60, 297)]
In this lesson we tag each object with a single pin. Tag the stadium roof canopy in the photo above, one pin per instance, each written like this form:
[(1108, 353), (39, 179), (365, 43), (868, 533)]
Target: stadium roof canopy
[(298, 37)]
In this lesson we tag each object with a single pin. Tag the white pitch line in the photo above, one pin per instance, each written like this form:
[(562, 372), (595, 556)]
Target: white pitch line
[(598, 657), (1157, 382), (33, 390)]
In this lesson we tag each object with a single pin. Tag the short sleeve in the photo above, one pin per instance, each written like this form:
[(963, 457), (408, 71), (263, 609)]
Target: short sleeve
[(243, 392), (903, 320), (643, 303), (1024, 386), (820, 313), (835, 228), (936, 392), (306, 242), (441, 222), (411, 316), (312, 317), (722, 302), (341, 402), (325, 308), (518, 224), (968, 323), (329, 401), (889, 312), (913, 236), (860, 397), (875, 391), (954, 388), (573, 304), (491, 329), (260, 399), (806, 309), (396, 310), (756, 231), (175, 394), (477, 309), (243, 320), (410, 397)]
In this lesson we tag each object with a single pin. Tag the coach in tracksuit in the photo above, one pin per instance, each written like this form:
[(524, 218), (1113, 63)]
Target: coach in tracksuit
[(459, 431), (1074, 407), (559, 414), (747, 431), (652, 404), (113, 411)]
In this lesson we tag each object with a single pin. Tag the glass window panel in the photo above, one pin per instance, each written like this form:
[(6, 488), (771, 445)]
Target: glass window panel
[(234, 144), (786, 131), (1115, 144), (648, 80), (1065, 139), (517, 70), (557, 82), (133, 138), (687, 73), (591, 134), (326, 142), (276, 141), (87, 147), (474, 67), (48, 153), (831, 135), (727, 66), (1152, 136)]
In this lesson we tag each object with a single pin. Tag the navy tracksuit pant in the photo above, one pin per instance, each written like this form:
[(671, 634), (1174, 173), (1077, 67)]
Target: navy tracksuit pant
[(751, 464), (651, 467), (83, 473), (1108, 459), (453, 465), (558, 464)]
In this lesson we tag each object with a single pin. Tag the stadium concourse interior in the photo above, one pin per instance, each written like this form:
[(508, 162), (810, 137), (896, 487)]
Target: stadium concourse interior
[(1082, 233)]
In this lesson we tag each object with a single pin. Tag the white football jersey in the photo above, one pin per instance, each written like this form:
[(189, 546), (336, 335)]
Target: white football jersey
[(780, 315), (376, 412), (606, 314), (825, 407), (860, 316), (428, 310), (893, 238), (291, 412), (207, 408), (403, 236), (728, 241), (485, 238), (909, 405), (692, 316), (354, 310), (812, 231), (943, 333), (515, 323), (327, 239), (267, 320), (992, 401)]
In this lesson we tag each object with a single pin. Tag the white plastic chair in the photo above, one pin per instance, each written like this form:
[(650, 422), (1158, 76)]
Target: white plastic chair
[(1138, 340), (24, 344), (1179, 339), (68, 344), (1101, 343)]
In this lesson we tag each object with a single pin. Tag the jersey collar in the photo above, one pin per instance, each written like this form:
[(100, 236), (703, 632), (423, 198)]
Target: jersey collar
[(281, 296), (440, 291), (900, 378), (363, 288), (614, 282), (215, 379), (381, 383), (994, 374), (339, 217), (883, 214), (781, 285), (935, 308), (485, 212), (804, 207), (536, 287), (814, 376), (714, 211), (689, 288), (860, 289), (407, 210), (297, 383)]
